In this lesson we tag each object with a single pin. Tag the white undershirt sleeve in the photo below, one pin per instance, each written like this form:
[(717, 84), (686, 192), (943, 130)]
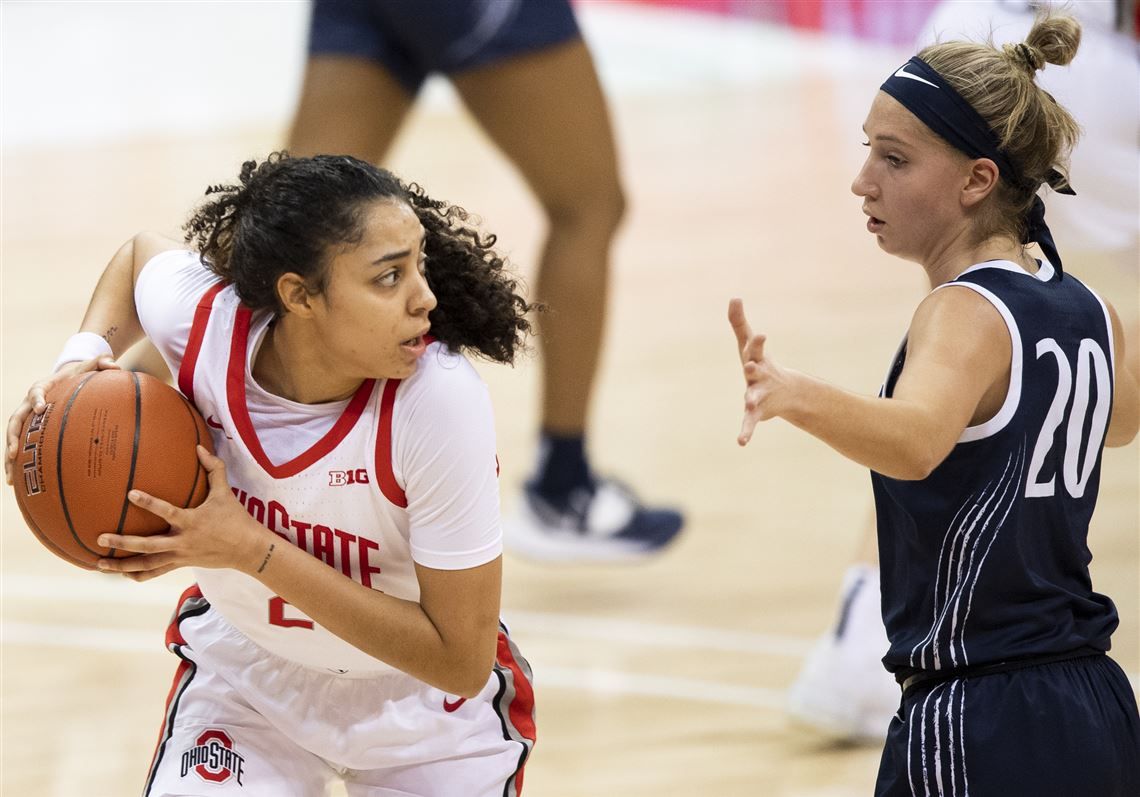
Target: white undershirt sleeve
[(444, 457), (166, 293)]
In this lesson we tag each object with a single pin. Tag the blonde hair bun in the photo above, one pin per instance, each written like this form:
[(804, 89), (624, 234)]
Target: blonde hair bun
[(1024, 55), (1055, 37), (1035, 133)]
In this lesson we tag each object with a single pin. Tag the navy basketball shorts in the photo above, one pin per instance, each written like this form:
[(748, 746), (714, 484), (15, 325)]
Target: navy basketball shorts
[(1062, 729), (413, 38)]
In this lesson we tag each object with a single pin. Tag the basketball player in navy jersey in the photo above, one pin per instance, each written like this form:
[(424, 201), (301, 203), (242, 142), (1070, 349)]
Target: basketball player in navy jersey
[(345, 621), (985, 442), (842, 689)]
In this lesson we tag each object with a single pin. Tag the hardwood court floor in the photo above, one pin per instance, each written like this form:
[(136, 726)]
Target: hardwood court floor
[(664, 679)]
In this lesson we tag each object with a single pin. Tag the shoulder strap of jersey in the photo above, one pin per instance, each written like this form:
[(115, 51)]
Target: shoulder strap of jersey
[(1013, 393), (194, 344), (384, 475)]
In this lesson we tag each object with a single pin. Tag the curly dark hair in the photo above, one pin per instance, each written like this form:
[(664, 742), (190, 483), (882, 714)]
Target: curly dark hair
[(288, 215)]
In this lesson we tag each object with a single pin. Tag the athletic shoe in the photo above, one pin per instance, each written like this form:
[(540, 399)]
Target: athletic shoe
[(842, 690), (606, 524)]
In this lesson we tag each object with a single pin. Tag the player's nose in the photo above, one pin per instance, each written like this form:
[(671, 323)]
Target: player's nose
[(422, 299), (862, 186)]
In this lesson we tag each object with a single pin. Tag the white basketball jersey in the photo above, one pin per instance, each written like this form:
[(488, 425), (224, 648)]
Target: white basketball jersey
[(337, 494)]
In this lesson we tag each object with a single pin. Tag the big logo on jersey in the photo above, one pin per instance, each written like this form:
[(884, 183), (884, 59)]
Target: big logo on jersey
[(340, 478), (213, 758)]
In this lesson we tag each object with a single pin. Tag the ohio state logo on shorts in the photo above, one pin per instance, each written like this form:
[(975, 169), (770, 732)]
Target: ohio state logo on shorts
[(213, 758)]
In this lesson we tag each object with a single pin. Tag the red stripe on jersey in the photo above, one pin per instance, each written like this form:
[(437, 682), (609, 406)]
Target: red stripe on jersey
[(239, 409), (194, 344), (384, 475), (521, 710)]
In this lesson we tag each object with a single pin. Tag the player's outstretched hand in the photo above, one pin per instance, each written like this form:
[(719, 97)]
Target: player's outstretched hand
[(766, 384), (218, 533), (35, 402)]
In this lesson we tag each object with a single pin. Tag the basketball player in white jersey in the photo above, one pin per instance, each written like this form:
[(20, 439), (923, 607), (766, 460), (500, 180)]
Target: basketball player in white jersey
[(345, 621), (367, 63)]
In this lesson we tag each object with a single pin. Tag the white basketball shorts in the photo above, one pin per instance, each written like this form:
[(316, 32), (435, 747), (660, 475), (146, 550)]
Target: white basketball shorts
[(242, 721)]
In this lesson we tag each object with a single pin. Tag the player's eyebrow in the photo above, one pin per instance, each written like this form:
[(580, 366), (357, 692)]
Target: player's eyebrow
[(399, 255), (392, 256), (884, 137)]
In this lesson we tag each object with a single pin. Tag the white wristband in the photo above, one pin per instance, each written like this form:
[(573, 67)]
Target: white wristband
[(83, 346)]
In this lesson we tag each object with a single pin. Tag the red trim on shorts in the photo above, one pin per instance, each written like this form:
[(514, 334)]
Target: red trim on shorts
[(179, 674), (521, 710), (384, 474), (174, 637), (239, 409), (173, 633), (194, 344)]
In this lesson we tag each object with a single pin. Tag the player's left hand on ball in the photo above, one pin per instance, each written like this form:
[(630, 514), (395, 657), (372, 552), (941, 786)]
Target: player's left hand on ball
[(35, 401), (218, 533)]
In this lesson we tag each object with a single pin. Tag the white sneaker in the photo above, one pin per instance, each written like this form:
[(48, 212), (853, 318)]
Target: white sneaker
[(842, 690), (607, 524)]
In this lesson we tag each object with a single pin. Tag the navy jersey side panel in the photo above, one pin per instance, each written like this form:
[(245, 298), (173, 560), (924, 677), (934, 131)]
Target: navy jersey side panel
[(986, 560)]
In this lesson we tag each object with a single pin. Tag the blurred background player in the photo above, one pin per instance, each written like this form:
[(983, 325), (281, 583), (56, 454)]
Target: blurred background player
[(842, 689), (527, 77)]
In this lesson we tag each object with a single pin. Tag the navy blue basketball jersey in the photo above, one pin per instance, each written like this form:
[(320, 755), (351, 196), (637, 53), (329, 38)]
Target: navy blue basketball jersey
[(986, 559)]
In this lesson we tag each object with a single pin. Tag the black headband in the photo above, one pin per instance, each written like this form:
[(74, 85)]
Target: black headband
[(926, 94)]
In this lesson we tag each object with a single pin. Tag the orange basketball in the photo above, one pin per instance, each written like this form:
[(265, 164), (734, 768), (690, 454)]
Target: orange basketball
[(105, 433)]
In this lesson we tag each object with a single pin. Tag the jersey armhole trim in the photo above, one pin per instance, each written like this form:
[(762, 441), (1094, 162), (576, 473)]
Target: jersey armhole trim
[(899, 352), (385, 477), (1013, 393), (194, 343), (1111, 339)]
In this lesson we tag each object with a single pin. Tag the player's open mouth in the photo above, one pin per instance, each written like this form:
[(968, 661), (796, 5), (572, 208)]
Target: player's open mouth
[(414, 346), (874, 224)]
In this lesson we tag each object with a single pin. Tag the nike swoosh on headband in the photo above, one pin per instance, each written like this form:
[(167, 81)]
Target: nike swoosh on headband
[(903, 73)]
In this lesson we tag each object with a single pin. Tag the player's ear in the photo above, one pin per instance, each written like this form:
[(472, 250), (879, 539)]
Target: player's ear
[(981, 180), (294, 294)]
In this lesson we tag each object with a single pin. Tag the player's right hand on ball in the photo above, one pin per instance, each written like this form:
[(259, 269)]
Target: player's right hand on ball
[(36, 402), (218, 533)]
